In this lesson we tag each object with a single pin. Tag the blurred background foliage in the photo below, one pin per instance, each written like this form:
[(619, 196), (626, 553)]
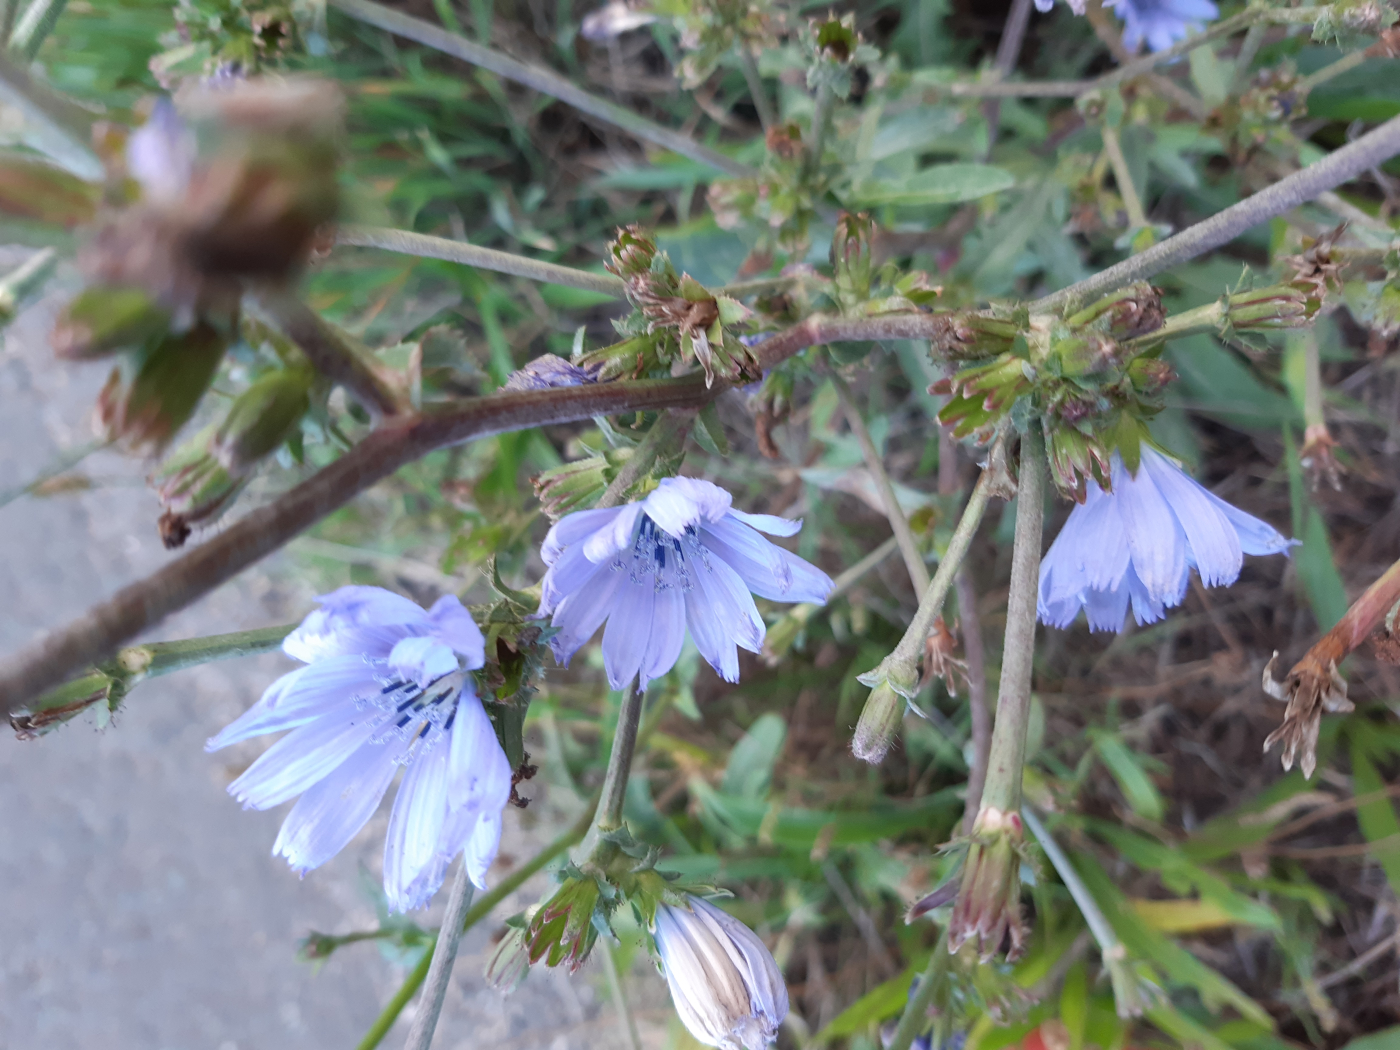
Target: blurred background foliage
[(1266, 905)]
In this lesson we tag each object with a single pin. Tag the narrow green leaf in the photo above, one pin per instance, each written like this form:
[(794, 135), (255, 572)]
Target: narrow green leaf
[(1377, 816), (941, 184), (1139, 791)]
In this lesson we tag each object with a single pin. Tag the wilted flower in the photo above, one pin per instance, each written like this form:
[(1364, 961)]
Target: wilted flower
[(1140, 542), (681, 557), (386, 685), (728, 991), (548, 371), (988, 907)]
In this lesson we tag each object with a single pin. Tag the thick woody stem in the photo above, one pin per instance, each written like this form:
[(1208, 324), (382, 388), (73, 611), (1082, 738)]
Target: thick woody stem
[(1336, 168), (545, 81), (1360, 621), (904, 536), (1008, 751)]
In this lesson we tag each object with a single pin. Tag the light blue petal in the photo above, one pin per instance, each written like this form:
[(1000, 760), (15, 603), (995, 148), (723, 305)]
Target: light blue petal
[(628, 633), (421, 660), (479, 772), (1147, 607), (453, 625), (330, 814), (617, 536), (570, 573), (769, 523), (1256, 537), (582, 613), (707, 627), (574, 528), (677, 503), (766, 569), (1156, 542), (354, 620), (1215, 547), (1107, 610), (414, 828), (301, 696), (1044, 5), (303, 757), (667, 634), (479, 852)]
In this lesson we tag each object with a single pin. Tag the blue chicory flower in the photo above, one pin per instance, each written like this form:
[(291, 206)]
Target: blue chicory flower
[(160, 154), (386, 685), (727, 988), (1139, 544), (1162, 22), (681, 557)]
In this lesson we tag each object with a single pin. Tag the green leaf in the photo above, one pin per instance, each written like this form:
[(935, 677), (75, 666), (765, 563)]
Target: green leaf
[(1377, 815), (1139, 791), (1385, 1039), (1074, 1005), (1317, 571), (882, 1001), (941, 184), (709, 431), (750, 768)]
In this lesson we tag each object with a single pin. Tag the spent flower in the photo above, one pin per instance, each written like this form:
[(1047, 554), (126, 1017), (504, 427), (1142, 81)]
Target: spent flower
[(727, 988), (682, 557), (987, 913), (386, 685), (1139, 542)]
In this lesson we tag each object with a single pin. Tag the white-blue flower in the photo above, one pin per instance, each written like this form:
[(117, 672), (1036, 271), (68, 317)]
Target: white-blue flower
[(385, 686), (1159, 22), (681, 557), (1162, 22), (727, 988), (1139, 543)]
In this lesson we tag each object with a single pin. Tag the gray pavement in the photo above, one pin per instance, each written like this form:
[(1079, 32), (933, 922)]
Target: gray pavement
[(143, 908)]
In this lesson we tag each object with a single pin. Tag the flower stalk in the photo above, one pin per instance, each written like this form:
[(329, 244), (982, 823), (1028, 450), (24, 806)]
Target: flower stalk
[(664, 441), (915, 1015), (608, 816), (420, 1034), (898, 673)]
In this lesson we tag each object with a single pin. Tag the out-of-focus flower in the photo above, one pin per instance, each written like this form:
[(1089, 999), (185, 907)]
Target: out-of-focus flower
[(681, 557), (1043, 6), (1161, 23), (1140, 542), (548, 371), (386, 685), (613, 19), (728, 991), (160, 154)]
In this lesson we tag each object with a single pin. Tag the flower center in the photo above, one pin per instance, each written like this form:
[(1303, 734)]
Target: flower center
[(421, 715), (660, 559)]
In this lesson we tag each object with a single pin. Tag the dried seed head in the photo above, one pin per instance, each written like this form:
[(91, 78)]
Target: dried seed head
[(1309, 689)]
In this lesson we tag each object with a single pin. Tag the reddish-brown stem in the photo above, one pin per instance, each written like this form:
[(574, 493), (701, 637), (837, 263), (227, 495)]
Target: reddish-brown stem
[(1365, 614), (400, 440)]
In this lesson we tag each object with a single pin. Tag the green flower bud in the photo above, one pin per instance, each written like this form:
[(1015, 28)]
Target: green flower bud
[(262, 418), (988, 908), (508, 964), (1126, 314), (101, 320), (851, 258), (879, 723), (631, 254), (153, 392)]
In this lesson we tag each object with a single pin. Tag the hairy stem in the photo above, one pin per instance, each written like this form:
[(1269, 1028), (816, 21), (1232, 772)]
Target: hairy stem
[(916, 1012), (420, 1034), (426, 246), (1008, 750), (113, 679), (1371, 149), (614, 791), (908, 545), (479, 911), (545, 81), (761, 102), (333, 353)]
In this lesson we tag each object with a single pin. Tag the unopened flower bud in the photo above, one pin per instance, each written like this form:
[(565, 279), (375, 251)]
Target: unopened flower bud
[(153, 392), (562, 931), (1085, 354), (548, 372), (631, 253), (193, 487), (576, 485), (1126, 314), (879, 723), (509, 962), (728, 991), (102, 319), (850, 257), (262, 417), (969, 336), (988, 909), (836, 39), (1277, 306)]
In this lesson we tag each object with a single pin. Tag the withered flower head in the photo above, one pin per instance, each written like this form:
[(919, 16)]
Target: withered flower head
[(939, 661), (988, 908), (784, 141), (1310, 688), (1314, 269), (1318, 457)]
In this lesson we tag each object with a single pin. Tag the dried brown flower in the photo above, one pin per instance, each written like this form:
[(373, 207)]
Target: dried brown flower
[(1309, 689)]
